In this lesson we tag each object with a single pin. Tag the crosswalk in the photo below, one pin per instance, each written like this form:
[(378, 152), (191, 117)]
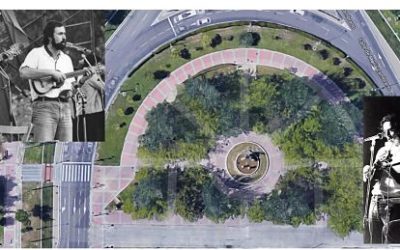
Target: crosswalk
[(76, 172)]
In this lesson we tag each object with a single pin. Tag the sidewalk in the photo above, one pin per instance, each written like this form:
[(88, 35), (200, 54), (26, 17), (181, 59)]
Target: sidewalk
[(11, 174), (107, 183)]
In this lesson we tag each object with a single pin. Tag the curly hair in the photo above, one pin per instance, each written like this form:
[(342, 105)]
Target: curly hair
[(49, 30)]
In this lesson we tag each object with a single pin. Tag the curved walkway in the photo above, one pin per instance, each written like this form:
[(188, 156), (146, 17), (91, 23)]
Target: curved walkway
[(166, 89)]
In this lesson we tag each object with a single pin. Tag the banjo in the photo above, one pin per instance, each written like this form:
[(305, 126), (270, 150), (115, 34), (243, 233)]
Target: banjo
[(45, 84)]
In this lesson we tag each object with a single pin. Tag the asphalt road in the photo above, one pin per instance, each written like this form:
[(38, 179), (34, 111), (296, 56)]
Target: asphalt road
[(74, 205)]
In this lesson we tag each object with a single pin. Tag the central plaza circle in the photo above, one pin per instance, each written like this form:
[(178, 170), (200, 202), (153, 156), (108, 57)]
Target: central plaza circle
[(247, 162)]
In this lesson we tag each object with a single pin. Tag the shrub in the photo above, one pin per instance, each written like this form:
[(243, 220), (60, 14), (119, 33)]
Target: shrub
[(336, 61), (217, 40), (136, 97), (185, 54), (324, 54), (347, 71), (161, 74), (129, 111), (307, 46), (249, 39)]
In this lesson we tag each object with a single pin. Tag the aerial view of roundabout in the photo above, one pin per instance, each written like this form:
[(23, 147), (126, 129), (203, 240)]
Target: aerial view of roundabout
[(235, 124)]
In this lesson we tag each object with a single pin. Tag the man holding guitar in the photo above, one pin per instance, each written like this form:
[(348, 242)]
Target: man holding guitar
[(383, 210), (49, 70)]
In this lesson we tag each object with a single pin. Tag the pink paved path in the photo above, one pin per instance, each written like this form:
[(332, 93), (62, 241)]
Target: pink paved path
[(264, 57)]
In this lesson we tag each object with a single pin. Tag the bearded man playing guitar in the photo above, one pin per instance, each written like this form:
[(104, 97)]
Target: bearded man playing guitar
[(49, 70), (383, 210)]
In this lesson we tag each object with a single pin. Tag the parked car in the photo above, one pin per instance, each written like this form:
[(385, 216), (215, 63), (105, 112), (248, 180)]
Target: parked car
[(203, 21), (184, 15)]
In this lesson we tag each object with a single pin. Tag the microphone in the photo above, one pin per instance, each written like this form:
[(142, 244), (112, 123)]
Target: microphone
[(78, 48), (374, 137)]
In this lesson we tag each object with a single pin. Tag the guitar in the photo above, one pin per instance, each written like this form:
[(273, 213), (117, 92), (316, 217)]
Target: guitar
[(45, 84), (14, 50)]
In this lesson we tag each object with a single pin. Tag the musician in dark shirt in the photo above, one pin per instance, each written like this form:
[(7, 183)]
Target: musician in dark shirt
[(384, 207)]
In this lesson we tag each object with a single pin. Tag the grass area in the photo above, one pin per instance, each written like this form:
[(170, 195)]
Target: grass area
[(31, 197), (38, 153), (47, 229), (109, 30), (385, 30), (142, 81)]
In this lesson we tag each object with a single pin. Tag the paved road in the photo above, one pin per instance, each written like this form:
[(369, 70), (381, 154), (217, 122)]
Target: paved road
[(74, 205), (218, 236)]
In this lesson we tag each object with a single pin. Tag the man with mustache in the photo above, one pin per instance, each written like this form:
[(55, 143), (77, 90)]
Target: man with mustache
[(51, 112), (384, 207)]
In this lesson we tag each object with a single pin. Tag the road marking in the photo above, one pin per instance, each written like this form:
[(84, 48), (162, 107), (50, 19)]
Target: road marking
[(84, 206), (74, 208), (344, 40), (82, 175), (170, 23), (89, 173)]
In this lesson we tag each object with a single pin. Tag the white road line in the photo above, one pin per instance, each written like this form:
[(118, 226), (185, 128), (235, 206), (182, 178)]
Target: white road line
[(84, 206), (63, 173), (88, 172), (73, 173), (82, 175), (69, 173), (172, 26)]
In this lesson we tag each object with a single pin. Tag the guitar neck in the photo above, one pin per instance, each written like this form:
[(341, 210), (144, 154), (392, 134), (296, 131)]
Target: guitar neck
[(75, 73)]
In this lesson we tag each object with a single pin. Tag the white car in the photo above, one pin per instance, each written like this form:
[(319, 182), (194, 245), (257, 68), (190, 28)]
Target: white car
[(203, 21), (298, 12), (184, 15)]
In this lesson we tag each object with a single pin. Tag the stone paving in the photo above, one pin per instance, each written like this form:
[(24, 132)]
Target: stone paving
[(108, 182)]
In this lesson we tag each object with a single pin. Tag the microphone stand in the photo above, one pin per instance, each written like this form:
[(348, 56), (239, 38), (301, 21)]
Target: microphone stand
[(82, 96), (370, 176)]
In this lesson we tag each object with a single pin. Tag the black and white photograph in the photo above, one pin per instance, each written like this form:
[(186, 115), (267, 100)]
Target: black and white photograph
[(381, 172), (52, 75)]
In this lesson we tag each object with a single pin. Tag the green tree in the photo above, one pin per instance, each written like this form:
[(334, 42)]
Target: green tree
[(189, 202), (344, 185), (147, 197), (218, 206), (22, 216), (256, 212)]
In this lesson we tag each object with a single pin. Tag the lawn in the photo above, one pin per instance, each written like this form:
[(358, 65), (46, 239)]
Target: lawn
[(38, 153), (384, 28), (142, 81), (31, 197)]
